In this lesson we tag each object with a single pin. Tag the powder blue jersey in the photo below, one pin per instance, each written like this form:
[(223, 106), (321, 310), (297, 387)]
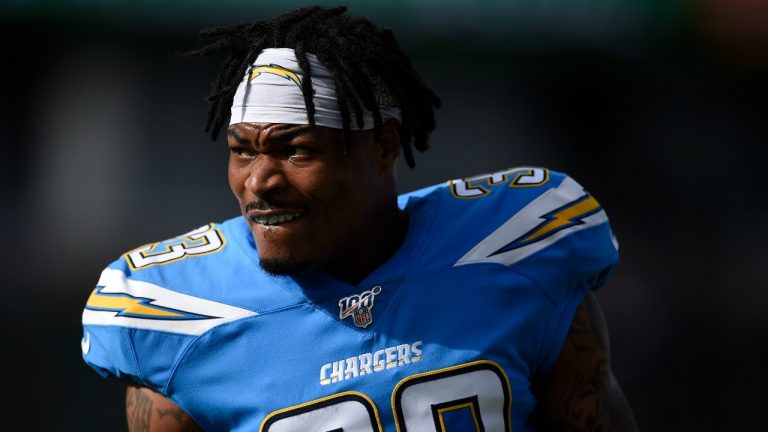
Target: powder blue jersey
[(447, 335)]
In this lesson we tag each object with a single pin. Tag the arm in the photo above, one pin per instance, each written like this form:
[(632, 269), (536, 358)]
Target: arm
[(580, 392), (148, 411)]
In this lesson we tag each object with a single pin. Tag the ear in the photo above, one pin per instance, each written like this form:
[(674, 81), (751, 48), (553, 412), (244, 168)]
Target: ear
[(389, 147)]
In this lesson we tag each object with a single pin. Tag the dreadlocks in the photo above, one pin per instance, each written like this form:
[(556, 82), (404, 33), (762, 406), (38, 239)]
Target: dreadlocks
[(364, 60)]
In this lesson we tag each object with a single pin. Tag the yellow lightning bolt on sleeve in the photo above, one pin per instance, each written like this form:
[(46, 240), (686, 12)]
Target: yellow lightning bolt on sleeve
[(564, 217), (126, 305)]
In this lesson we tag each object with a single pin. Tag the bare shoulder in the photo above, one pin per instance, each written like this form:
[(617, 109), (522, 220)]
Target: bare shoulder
[(149, 411), (580, 392)]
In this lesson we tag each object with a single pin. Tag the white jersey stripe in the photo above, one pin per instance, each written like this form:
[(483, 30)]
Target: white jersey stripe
[(115, 282), (527, 219)]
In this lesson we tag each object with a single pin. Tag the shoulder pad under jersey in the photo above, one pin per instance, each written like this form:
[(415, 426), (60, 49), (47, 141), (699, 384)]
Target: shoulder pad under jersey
[(537, 222), (153, 301)]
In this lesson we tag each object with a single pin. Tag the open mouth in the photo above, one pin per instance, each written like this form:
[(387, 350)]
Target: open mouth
[(273, 219)]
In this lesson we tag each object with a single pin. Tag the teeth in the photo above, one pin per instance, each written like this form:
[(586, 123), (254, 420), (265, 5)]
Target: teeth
[(275, 220)]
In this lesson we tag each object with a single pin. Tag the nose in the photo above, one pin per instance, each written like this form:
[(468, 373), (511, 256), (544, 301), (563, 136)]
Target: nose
[(265, 176)]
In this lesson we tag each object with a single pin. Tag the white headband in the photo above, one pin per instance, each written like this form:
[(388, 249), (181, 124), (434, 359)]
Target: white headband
[(271, 93)]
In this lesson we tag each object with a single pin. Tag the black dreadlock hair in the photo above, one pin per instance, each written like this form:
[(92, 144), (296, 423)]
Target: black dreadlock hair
[(363, 59)]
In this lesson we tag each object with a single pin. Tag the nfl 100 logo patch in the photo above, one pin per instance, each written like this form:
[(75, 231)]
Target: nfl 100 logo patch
[(359, 307)]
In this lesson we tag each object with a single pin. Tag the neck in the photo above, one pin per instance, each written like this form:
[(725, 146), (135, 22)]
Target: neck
[(372, 248)]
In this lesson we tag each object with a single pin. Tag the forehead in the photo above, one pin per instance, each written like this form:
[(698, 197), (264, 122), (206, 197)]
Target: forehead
[(260, 134), (253, 133), (245, 129)]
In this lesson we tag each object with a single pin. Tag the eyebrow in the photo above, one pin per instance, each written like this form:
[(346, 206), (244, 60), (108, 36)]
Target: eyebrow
[(232, 133), (286, 135), (278, 135)]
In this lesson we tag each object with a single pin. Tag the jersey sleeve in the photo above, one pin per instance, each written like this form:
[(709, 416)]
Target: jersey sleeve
[(128, 329), (567, 244), (557, 235), (578, 253), (139, 320)]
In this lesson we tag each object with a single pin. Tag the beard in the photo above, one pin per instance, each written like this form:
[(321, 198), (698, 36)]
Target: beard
[(284, 266)]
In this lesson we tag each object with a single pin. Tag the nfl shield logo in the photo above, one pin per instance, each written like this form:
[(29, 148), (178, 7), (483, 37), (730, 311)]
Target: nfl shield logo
[(359, 307), (362, 317)]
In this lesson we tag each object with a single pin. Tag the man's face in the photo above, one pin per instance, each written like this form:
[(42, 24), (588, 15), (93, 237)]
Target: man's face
[(307, 203)]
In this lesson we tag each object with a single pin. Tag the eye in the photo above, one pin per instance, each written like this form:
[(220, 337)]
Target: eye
[(241, 152), (298, 152)]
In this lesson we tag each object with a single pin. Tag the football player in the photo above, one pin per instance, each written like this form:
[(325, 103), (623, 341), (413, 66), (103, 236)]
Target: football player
[(333, 304)]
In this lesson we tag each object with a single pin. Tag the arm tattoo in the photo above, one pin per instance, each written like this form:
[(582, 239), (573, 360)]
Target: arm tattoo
[(139, 410), (176, 413), (588, 330), (582, 394)]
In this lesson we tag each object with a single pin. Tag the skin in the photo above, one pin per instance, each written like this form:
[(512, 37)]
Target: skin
[(348, 220), (348, 223), (148, 411), (580, 392)]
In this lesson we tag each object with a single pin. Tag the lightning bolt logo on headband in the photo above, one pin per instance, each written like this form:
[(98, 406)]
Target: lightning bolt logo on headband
[(130, 306), (275, 70), (564, 217), (272, 100)]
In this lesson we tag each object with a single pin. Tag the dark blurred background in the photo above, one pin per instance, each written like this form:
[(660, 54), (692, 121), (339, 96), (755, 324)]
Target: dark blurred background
[(658, 107)]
